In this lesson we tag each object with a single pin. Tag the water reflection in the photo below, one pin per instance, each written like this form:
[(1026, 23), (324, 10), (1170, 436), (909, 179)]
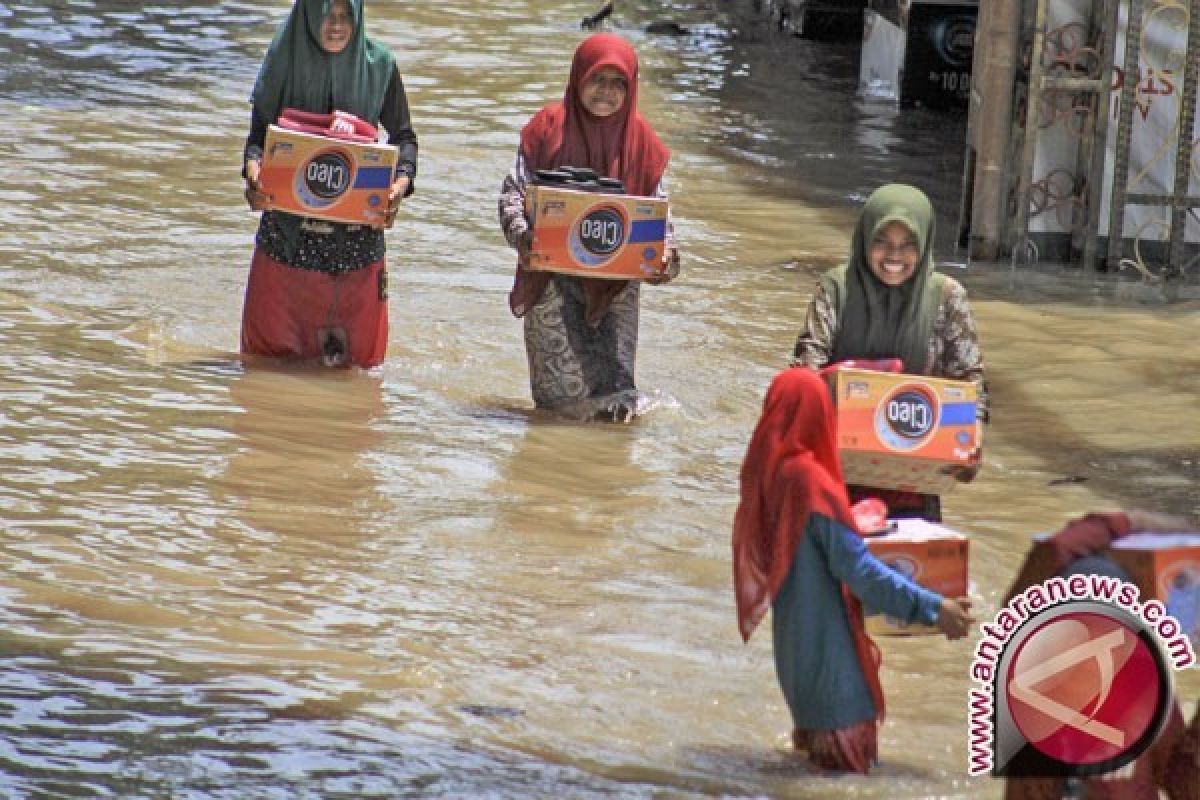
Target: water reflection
[(302, 439)]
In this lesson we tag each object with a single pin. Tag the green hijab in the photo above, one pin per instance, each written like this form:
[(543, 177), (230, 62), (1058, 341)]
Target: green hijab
[(298, 73), (880, 321)]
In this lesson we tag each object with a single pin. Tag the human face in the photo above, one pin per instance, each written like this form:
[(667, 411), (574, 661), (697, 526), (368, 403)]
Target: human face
[(604, 92), (893, 254), (337, 29)]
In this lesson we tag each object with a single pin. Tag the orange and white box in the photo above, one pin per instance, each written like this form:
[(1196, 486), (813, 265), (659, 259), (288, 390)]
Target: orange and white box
[(1165, 567), (596, 235), (326, 178), (932, 555), (899, 431)]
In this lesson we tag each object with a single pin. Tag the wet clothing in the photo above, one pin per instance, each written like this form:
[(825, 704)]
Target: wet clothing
[(328, 299), (796, 550), (574, 367), (339, 317), (581, 333), (814, 651), (926, 322)]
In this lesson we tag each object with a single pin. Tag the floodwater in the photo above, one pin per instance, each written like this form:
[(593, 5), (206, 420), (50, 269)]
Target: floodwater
[(228, 582)]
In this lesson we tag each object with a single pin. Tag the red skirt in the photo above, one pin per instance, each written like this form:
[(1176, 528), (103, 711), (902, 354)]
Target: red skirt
[(852, 749), (338, 318)]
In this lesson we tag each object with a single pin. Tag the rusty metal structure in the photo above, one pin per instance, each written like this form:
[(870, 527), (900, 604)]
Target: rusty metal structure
[(1039, 83)]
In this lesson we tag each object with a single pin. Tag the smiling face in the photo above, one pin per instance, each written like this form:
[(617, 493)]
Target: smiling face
[(604, 92), (337, 29), (893, 254)]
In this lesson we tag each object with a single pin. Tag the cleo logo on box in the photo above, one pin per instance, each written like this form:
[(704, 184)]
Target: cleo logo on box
[(907, 417), (598, 235), (324, 178)]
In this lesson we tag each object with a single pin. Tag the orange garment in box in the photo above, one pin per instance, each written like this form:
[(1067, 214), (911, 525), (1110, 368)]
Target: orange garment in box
[(932, 555), (1165, 567), (595, 235), (899, 431), (325, 178)]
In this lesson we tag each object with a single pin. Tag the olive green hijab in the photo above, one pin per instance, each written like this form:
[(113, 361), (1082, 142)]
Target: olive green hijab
[(298, 73), (880, 321)]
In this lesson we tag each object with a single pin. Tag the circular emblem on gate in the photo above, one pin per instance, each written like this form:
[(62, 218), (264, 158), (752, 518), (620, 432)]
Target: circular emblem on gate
[(954, 38), (598, 235), (906, 418), (324, 178)]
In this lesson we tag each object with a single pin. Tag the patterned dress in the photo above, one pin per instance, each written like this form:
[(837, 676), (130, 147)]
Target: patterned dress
[(574, 368)]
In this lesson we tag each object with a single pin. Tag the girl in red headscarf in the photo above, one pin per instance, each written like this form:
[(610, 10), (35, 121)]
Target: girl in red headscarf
[(797, 552), (581, 333)]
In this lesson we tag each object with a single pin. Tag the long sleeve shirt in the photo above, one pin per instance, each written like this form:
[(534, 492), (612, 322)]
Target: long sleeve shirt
[(815, 658), (953, 341)]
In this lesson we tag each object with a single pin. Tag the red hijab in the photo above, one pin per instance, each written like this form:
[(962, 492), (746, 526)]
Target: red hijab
[(792, 470), (621, 145)]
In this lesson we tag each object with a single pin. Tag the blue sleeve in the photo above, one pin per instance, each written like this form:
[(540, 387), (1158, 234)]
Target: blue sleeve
[(878, 586)]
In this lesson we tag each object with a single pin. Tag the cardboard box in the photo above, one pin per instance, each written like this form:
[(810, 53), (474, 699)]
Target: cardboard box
[(900, 431), (595, 235), (932, 555), (331, 179), (1165, 567)]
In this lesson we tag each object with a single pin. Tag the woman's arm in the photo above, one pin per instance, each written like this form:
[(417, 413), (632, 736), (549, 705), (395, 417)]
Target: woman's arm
[(814, 346), (961, 357), (511, 205), (670, 246), (878, 586), (252, 155), (396, 121)]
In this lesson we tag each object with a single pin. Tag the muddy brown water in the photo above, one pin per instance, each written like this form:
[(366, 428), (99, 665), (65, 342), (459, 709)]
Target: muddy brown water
[(225, 581)]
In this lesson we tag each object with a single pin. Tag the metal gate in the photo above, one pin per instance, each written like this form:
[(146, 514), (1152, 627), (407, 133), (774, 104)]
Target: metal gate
[(1066, 78)]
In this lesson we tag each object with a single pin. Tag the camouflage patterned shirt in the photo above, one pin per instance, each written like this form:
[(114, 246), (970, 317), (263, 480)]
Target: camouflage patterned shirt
[(953, 343)]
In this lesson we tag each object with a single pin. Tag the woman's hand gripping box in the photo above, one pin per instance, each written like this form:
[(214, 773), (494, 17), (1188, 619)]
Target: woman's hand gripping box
[(932, 555), (595, 235), (326, 178)]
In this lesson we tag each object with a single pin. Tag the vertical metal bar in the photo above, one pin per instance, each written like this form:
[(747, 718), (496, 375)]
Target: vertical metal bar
[(1133, 53), (1183, 142), (1109, 20), (1033, 102)]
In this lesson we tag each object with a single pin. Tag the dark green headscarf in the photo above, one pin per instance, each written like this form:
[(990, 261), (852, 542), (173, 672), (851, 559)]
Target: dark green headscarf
[(298, 73), (880, 321)]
